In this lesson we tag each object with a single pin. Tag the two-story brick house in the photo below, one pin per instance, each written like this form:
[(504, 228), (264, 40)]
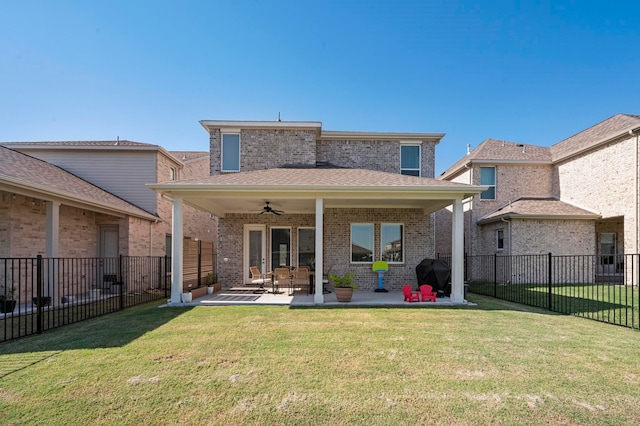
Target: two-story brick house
[(344, 197), (579, 196)]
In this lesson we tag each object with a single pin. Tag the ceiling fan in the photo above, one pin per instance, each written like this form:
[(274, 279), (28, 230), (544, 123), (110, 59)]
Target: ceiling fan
[(267, 209)]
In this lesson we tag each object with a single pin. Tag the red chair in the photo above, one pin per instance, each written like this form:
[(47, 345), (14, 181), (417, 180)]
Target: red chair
[(427, 293), (410, 295)]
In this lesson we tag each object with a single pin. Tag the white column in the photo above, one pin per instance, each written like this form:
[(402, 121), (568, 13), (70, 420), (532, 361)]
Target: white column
[(52, 244), (457, 253), (176, 249), (318, 297)]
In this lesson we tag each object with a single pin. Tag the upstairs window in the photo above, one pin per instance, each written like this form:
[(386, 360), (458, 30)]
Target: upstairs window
[(172, 173), (230, 152), (488, 177), (410, 160)]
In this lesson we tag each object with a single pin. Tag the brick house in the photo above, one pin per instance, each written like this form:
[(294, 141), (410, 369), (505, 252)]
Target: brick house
[(344, 197), (579, 196), (89, 199)]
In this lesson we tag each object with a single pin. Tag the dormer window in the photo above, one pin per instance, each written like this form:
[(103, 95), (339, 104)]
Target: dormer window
[(172, 173), (410, 160), (230, 152)]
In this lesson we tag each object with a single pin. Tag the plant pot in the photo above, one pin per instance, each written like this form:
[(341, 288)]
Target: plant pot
[(210, 290), (186, 297), (41, 301), (7, 306), (344, 294)]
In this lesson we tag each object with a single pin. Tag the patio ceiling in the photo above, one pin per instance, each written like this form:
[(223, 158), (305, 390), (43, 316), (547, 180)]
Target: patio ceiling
[(295, 190)]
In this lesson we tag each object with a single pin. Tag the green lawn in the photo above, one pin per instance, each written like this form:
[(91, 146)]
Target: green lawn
[(499, 363), (613, 303)]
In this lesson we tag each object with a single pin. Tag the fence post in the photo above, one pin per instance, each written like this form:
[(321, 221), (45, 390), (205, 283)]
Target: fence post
[(199, 263), (550, 279), (39, 283), (164, 275), (121, 281), (495, 275)]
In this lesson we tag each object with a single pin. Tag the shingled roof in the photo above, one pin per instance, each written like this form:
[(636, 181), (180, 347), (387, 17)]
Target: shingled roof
[(19, 170), (498, 151), (602, 132), (537, 208), (317, 177)]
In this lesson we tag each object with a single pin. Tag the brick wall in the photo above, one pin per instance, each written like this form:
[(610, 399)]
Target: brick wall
[(268, 148), (605, 181), (380, 155), (418, 242)]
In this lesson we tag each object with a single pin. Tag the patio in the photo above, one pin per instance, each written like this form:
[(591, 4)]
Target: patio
[(361, 298)]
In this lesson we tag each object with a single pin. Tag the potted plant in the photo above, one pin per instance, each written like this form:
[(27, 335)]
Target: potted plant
[(344, 286), (41, 301), (209, 282), (7, 301)]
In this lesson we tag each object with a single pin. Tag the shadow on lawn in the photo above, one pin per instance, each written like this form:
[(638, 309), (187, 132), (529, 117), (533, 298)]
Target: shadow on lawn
[(107, 331)]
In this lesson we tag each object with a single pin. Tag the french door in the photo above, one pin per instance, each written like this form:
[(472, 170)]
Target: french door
[(255, 249)]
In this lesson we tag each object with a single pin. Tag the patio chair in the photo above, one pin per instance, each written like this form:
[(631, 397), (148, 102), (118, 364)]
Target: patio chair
[(282, 278), (258, 279), (409, 294), (301, 278), (325, 280), (427, 293)]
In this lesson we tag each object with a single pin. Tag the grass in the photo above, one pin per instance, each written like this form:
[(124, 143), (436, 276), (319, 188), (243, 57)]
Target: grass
[(500, 363), (617, 304)]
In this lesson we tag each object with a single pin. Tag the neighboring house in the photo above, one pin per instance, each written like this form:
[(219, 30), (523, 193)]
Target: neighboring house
[(579, 196), (123, 168), (346, 199), (45, 210)]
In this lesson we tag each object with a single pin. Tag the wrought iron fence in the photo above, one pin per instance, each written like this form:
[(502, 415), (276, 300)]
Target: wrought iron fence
[(601, 288), (37, 294)]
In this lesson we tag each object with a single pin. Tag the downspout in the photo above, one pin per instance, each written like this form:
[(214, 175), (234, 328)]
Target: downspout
[(637, 248), (151, 237)]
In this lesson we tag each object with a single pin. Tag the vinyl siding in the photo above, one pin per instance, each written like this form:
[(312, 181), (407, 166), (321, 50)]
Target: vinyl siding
[(124, 173)]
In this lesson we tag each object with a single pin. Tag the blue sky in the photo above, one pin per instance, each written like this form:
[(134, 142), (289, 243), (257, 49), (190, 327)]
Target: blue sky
[(525, 71)]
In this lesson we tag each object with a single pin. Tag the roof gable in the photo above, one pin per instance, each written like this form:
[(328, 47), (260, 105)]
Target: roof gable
[(595, 135), (499, 151), (537, 208)]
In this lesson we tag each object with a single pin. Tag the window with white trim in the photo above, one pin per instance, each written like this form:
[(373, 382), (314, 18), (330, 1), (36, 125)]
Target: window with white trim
[(488, 177), (230, 152), (410, 160), (361, 243), (172, 173), (499, 239), (392, 242)]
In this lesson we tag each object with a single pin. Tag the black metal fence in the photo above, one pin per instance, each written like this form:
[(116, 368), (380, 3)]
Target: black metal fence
[(37, 294), (601, 288)]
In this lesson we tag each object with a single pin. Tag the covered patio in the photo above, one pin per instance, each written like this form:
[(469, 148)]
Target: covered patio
[(328, 199), (361, 298)]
